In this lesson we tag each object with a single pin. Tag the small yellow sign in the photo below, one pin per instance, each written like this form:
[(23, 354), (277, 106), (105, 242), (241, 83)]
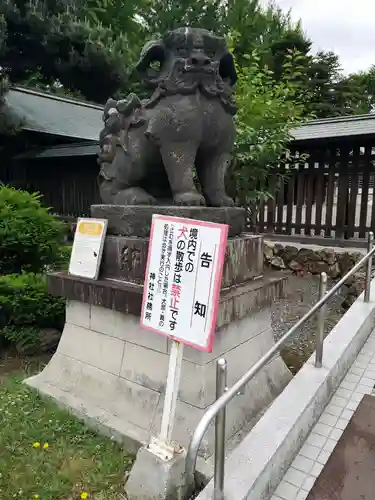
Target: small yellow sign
[(90, 228)]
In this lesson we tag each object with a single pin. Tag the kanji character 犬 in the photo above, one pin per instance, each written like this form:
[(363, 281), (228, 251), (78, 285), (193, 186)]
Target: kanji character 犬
[(182, 232)]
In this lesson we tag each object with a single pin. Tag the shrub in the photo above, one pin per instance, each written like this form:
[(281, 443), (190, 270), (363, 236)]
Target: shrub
[(26, 307), (25, 339), (64, 257), (268, 109), (30, 236)]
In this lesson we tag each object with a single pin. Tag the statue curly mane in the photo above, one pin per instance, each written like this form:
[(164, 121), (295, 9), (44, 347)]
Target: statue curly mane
[(211, 86)]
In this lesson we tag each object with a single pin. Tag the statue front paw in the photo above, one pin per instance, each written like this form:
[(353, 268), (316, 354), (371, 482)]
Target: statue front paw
[(190, 198), (133, 196), (220, 200)]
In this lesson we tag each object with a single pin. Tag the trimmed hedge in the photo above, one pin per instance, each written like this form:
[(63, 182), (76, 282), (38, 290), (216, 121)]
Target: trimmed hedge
[(31, 243), (26, 308), (30, 237)]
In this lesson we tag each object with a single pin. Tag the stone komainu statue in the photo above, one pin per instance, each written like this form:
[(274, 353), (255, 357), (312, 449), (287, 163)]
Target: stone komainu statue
[(149, 148)]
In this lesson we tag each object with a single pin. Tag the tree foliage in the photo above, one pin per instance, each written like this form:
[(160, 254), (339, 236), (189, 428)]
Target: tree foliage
[(331, 93), (158, 16), (267, 111), (30, 236), (88, 47), (48, 39), (362, 86)]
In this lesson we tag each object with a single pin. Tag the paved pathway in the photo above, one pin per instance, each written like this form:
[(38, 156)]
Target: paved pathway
[(307, 466)]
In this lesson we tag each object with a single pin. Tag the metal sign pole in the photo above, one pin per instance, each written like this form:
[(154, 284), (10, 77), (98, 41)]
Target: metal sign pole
[(171, 391), (163, 446), (182, 253)]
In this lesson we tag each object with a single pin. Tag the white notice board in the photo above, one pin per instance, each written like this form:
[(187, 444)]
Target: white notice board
[(183, 279), (87, 248)]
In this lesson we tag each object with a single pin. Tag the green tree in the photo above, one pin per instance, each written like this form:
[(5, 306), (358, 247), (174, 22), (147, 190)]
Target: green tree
[(267, 111), (268, 30), (369, 84), (121, 17), (272, 33), (333, 94), (362, 85), (47, 42), (324, 74), (292, 41), (158, 16)]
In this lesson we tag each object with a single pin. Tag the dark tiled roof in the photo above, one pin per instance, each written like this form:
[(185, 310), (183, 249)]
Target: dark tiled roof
[(72, 118), (52, 114), (329, 128)]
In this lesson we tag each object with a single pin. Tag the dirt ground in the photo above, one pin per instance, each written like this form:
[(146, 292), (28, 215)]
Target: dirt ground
[(301, 293), (12, 363)]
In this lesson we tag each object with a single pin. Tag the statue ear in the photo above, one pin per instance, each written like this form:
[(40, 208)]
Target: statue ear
[(152, 52), (111, 103), (227, 69)]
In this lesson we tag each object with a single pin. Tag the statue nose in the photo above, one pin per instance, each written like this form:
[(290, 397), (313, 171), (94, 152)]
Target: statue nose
[(200, 60)]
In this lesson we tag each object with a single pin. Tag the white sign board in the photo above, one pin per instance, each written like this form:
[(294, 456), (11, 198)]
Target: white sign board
[(87, 248), (183, 279)]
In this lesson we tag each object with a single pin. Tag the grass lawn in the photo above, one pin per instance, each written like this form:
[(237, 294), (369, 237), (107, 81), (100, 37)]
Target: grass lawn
[(46, 454)]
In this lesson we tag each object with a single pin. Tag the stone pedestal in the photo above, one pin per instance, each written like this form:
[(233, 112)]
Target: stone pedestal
[(135, 220), (112, 373)]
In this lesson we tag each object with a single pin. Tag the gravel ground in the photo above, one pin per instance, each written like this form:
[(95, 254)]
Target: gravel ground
[(301, 293)]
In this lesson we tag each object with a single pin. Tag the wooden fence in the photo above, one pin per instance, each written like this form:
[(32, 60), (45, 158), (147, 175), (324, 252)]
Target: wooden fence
[(67, 185), (329, 193), (325, 191)]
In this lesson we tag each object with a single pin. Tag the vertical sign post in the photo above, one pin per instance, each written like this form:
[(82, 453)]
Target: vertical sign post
[(180, 298), (171, 391)]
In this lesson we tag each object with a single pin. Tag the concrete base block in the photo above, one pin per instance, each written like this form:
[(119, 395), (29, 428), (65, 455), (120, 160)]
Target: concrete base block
[(154, 479), (113, 374)]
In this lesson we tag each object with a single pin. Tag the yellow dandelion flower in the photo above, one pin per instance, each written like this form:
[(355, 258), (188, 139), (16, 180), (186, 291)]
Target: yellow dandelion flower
[(84, 495), (45, 446), (36, 497), (36, 444)]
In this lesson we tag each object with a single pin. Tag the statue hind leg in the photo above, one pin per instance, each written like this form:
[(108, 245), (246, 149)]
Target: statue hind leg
[(112, 194), (120, 176)]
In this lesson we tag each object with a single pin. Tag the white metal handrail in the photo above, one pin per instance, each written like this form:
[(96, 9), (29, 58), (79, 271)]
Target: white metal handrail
[(225, 395)]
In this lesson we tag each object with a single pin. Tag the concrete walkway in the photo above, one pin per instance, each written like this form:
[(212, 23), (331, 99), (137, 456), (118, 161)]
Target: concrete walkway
[(311, 459)]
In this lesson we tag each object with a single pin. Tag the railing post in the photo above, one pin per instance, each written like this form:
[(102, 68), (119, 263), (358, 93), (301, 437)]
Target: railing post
[(370, 243), (321, 321), (221, 387)]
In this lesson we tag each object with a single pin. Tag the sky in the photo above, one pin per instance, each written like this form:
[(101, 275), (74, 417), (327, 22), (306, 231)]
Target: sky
[(346, 27)]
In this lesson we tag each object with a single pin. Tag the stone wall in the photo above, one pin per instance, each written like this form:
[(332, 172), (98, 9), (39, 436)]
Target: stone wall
[(307, 260), (304, 261)]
